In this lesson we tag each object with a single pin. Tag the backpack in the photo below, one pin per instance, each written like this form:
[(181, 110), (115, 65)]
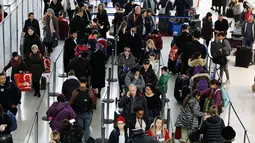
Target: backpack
[(13, 120), (225, 97), (40, 54), (173, 53), (202, 84), (80, 49), (83, 101)]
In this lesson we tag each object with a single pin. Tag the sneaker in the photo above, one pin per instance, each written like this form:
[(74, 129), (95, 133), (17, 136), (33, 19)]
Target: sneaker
[(227, 82)]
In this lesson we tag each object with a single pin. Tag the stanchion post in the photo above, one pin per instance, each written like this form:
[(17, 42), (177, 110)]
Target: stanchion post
[(245, 134), (53, 93), (168, 119), (115, 47), (103, 134), (63, 74), (36, 127), (48, 90), (110, 78), (229, 113), (108, 101)]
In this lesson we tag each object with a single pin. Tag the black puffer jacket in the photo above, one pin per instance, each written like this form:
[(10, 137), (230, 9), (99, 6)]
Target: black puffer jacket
[(149, 76), (69, 86), (211, 129)]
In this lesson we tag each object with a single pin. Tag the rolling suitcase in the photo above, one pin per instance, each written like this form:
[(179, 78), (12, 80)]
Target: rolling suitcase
[(181, 88), (243, 57), (198, 23), (63, 28)]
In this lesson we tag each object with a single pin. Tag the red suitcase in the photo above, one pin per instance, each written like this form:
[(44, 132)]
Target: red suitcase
[(23, 81), (63, 28), (47, 63)]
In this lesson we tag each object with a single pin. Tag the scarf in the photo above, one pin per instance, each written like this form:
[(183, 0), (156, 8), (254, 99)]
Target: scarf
[(15, 63), (52, 30)]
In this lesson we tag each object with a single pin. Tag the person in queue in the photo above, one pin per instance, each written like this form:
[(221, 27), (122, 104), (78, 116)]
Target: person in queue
[(119, 134), (31, 21)]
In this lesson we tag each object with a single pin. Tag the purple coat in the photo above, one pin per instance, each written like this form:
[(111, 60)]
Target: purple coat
[(59, 111)]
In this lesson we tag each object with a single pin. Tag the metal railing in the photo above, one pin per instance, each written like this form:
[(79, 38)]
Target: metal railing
[(12, 26), (51, 82)]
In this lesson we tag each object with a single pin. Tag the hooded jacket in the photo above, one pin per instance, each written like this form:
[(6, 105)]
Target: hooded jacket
[(211, 129), (188, 118), (59, 111), (162, 83), (195, 79), (69, 86), (149, 76), (130, 79)]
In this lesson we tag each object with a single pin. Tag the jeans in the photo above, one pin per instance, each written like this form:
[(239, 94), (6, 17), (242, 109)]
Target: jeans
[(249, 43), (224, 68), (84, 120)]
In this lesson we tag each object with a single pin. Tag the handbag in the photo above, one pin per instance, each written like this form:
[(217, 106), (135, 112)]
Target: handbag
[(162, 10), (6, 138)]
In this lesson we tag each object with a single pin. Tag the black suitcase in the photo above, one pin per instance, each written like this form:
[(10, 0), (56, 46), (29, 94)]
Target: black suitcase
[(243, 57), (181, 88), (198, 23), (43, 83), (237, 33)]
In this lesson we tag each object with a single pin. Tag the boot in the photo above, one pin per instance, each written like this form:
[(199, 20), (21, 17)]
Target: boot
[(38, 94), (35, 94)]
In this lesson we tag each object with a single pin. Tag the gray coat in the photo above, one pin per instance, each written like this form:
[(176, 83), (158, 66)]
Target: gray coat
[(48, 38), (130, 79), (130, 62), (244, 29), (188, 118)]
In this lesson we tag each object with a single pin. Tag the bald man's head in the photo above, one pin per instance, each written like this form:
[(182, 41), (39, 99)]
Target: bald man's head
[(132, 89), (137, 10)]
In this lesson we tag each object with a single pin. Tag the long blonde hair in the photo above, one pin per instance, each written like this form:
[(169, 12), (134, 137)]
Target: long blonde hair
[(153, 127), (150, 41), (54, 136)]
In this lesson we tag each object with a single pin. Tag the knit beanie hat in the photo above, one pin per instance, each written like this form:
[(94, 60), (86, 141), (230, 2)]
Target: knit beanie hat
[(14, 54), (49, 10), (121, 119), (228, 133)]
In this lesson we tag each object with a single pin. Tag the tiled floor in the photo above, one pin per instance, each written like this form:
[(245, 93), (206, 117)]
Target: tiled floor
[(239, 90)]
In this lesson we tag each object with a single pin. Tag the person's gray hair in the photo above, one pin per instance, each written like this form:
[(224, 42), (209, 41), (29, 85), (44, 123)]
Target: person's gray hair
[(132, 85)]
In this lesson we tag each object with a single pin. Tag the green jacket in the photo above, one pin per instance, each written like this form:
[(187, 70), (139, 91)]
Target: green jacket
[(162, 83)]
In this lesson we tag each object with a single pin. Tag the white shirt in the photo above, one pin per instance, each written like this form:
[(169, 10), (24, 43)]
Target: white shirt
[(139, 125), (122, 137)]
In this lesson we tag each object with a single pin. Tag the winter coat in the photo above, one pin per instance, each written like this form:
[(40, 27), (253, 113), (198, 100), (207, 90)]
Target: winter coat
[(135, 44), (35, 24), (69, 86), (211, 129), (48, 36), (155, 66), (216, 97), (118, 18), (10, 95), (59, 111), (29, 41), (207, 29), (168, 7), (197, 62), (97, 62), (81, 67), (131, 19), (69, 50), (221, 25), (129, 62), (130, 79), (244, 29), (149, 76), (139, 23), (131, 122), (182, 40), (196, 66), (36, 66), (167, 137), (5, 120), (192, 48), (216, 2), (114, 136), (140, 100), (195, 79), (181, 6), (154, 105), (78, 24), (162, 84), (188, 118), (16, 66), (103, 20), (56, 8), (157, 41), (123, 41), (150, 4)]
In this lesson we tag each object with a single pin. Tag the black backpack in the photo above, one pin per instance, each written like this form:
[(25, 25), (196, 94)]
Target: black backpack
[(217, 53), (83, 101)]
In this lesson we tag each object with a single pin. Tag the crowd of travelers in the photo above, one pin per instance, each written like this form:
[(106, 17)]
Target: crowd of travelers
[(143, 82)]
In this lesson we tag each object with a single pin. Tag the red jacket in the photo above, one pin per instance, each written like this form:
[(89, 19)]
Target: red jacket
[(157, 41), (167, 137), (247, 15)]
